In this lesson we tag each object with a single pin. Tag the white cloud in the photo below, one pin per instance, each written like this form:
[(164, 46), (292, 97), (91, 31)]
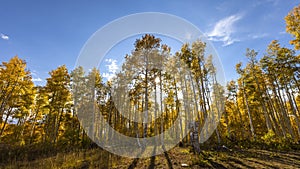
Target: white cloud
[(224, 29), (112, 69), (4, 37), (282, 32), (108, 76), (272, 2), (188, 36), (258, 36), (37, 79), (34, 72)]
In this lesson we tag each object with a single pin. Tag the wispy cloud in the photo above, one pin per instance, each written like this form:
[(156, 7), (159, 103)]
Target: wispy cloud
[(112, 69), (273, 2), (266, 2), (188, 36), (258, 36), (4, 37), (224, 29), (37, 79), (282, 33), (34, 72)]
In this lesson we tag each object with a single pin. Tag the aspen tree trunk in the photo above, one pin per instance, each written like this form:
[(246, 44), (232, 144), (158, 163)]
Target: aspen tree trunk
[(178, 111), (268, 123), (217, 106), (161, 111), (248, 111), (293, 109), (240, 116), (155, 112), (146, 98), (33, 126), (5, 121), (282, 101), (185, 100)]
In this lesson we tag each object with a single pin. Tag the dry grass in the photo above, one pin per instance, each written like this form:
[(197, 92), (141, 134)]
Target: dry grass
[(174, 158)]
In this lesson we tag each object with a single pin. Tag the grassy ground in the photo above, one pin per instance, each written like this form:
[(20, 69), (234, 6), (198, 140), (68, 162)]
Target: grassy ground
[(175, 158)]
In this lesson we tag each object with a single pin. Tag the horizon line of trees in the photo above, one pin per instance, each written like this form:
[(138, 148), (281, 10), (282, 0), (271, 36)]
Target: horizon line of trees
[(153, 89)]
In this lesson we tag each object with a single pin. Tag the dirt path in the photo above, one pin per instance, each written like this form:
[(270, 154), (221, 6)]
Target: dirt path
[(177, 157)]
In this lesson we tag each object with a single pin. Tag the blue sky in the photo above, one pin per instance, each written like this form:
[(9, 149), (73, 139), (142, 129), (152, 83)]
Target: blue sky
[(51, 33)]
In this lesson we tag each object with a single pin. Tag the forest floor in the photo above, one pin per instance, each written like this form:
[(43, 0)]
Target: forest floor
[(178, 157)]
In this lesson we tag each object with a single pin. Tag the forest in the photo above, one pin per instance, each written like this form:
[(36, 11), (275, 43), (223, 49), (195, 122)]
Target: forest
[(157, 95)]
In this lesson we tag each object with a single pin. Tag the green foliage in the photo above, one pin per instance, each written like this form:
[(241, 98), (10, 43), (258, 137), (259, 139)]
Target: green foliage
[(269, 138), (261, 105), (271, 141), (293, 25)]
